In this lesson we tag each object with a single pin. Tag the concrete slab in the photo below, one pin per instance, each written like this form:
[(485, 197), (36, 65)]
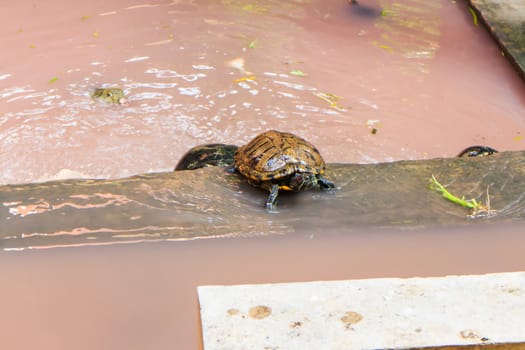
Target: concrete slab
[(453, 311), (506, 22)]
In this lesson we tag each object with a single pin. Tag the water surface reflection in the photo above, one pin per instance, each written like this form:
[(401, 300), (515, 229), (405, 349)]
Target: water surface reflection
[(212, 71)]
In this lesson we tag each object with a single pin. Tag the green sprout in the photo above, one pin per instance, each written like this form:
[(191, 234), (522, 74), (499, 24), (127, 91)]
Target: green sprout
[(474, 15), (477, 209)]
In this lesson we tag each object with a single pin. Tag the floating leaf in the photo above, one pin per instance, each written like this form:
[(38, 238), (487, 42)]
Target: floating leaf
[(298, 73), (518, 138), (252, 44), (84, 18), (52, 80), (32, 46), (254, 8), (331, 99), (247, 78), (95, 35)]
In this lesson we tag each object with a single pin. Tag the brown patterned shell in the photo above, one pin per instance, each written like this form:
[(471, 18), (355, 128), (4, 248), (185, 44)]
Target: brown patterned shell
[(274, 155)]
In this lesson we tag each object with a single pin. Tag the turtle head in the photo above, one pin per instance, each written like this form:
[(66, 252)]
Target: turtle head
[(302, 182)]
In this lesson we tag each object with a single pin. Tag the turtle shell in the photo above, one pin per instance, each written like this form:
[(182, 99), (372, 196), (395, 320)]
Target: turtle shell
[(274, 155), (216, 154), (477, 151)]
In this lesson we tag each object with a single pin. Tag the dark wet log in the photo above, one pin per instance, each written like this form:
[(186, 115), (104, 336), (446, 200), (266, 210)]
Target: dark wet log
[(211, 202), (506, 22)]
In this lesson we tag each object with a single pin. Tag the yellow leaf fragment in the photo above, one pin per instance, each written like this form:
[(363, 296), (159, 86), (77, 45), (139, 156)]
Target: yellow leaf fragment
[(331, 99), (247, 78), (52, 80)]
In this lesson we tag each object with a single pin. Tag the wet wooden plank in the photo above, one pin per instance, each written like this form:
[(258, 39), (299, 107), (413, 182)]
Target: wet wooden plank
[(452, 312), (506, 22), (212, 202)]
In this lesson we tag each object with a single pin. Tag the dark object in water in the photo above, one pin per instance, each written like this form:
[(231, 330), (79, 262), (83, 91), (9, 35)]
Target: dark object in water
[(477, 151), (215, 154), (277, 160), (364, 10)]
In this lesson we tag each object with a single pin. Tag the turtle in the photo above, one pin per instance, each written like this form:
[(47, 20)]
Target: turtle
[(214, 154), (276, 160), (477, 151), (111, 96)]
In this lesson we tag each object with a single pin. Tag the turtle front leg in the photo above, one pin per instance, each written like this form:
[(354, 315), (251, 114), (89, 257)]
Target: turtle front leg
[(325, 184), (272, 198)]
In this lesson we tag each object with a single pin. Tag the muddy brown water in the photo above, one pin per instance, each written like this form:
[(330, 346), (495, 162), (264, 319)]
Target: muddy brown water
[(144, 296), (420, 72)]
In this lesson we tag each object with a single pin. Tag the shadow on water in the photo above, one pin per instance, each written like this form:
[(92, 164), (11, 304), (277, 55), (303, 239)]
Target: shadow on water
[(212, 202)]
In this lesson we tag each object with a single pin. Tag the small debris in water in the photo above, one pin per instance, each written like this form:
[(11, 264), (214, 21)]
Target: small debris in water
[(298, 73), (238, 63), (247, 78), (292, 62), (331, 99), (373, 125)]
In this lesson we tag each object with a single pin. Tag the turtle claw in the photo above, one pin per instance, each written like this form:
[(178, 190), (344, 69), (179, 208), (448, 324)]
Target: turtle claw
[(325, 184), (272, 198), (271, 209)]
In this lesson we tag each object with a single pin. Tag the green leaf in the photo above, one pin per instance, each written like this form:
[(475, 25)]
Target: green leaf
[(474, 15), (298, 73)]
